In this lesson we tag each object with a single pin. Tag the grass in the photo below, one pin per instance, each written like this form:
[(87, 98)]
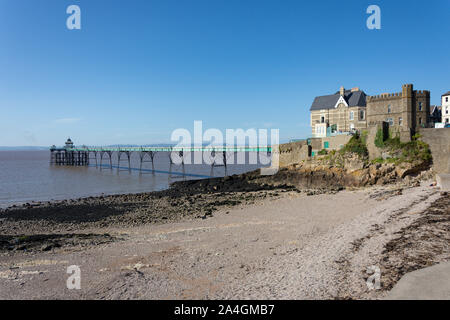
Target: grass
[(357, 145), (405, 151)]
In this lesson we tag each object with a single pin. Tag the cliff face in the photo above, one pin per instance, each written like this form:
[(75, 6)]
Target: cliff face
[(354, 173)]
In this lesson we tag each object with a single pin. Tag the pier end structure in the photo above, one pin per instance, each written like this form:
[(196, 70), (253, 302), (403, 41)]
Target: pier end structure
[(68, 156)]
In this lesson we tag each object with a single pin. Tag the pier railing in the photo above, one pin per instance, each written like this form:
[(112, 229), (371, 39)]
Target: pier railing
[(173, 149)]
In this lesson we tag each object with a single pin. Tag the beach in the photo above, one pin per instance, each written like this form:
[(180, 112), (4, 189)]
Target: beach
[(225, 239)]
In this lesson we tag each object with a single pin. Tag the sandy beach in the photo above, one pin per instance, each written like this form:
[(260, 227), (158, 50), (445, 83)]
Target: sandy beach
[(275, 243)]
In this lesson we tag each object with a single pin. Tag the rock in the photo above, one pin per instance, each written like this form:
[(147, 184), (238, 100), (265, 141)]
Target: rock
[(386, 155), (46, 247), (386, 168), (409, 168)]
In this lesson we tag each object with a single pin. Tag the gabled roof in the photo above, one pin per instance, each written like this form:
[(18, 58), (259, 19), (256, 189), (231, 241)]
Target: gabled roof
[(434, 109), (446, 94), (355, 98)]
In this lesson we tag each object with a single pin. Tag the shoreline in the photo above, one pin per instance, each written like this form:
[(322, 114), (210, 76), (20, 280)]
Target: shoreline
[(182, 200)]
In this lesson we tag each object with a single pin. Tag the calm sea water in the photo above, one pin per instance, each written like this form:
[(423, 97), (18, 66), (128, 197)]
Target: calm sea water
[(28, 176)]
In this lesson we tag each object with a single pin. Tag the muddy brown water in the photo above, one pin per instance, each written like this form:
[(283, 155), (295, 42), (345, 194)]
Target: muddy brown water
[(27, 176)]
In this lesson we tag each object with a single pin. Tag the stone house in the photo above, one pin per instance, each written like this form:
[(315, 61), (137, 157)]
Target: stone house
[(445, 107), (343, 111), (353, 110), (405, 111)]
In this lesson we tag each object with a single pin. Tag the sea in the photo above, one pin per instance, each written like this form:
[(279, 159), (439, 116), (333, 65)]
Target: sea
[(27, 176)]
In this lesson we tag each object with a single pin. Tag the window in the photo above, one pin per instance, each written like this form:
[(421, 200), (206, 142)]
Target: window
[(446, 99), (389, 108), (322, 119), (352, 127), (361, 114), (326, 145), (446, 120), (446, 110), (390, 121), (351, 115), (420, 120), (420, 106), (400, 121)]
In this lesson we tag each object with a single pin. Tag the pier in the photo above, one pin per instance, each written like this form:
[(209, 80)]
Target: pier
[(102, 157)]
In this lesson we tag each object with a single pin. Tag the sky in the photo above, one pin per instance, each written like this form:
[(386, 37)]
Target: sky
[(139, 69)]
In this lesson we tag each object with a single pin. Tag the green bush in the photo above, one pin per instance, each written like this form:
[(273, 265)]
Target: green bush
[(322, 152), (405, 152), (379, 139), (356, 145)]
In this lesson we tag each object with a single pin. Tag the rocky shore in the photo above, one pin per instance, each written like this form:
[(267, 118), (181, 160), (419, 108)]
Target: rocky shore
[(33, 226), (183, 201)]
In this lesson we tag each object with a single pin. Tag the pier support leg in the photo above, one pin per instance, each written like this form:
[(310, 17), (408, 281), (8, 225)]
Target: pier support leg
[(181, 155), (151, 155), (102, 154), (215, 164), (128, 155), (95, 157)]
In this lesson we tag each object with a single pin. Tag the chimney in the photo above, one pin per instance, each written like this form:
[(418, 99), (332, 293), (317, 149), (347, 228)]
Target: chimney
[(342, 91), (355, 89)]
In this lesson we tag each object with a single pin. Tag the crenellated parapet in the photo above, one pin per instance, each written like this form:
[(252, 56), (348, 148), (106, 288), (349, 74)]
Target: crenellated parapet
[(384, 96), (422, 93), (397, 95)]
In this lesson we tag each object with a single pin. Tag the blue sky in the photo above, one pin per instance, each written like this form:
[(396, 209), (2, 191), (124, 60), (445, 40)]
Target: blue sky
[(137, 70)]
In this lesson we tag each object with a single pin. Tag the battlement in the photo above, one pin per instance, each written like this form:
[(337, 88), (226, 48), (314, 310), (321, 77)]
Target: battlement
[(423, 93), (397, 95), (384, 96)]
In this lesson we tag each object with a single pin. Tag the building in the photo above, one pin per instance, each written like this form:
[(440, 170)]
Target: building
[(353, 110), (404, 111), (69, 144), (435, 115), (343, 111), (446, 107)]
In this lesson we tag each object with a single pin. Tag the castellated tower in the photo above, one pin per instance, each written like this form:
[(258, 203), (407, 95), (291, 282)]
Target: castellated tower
[(405, 111), (407, 106)]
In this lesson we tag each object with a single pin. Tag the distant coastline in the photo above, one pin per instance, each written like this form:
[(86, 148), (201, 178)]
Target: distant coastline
[(23, 148), (40, 148)]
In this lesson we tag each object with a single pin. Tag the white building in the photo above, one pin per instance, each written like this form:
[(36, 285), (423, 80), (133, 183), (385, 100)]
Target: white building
[(446, 107)]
